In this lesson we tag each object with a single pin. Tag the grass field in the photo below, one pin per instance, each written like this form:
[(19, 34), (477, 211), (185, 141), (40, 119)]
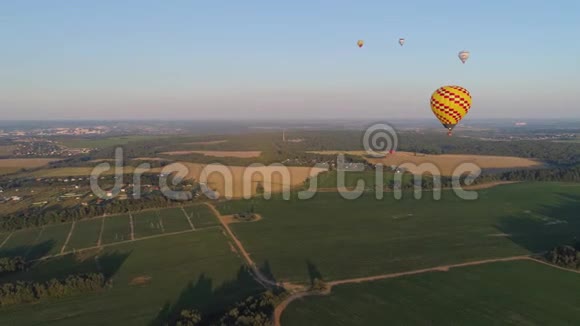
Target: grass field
[(147, 224), (85, 234), (38, 242), (103, 142), (446, 163), (240, 154), (174, 220), (8, 166), (338, 238), (509, 293), (8, 170), (216, 180), (330, 179), (151, 279), (6, 149), (117, 228), (52, 233), (80, 171), (20, 243), (201, 216)]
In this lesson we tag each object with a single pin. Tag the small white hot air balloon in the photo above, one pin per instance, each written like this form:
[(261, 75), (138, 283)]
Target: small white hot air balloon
[(401, 41), (463, 56)]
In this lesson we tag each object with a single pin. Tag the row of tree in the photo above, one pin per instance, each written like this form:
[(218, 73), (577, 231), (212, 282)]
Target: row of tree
[(255, 311), (26, 292)]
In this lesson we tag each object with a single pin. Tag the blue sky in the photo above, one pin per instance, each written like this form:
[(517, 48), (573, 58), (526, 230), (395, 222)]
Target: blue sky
[(285, 59)]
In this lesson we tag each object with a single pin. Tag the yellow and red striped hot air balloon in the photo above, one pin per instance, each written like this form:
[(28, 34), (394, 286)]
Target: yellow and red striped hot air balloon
[(360, 43), (450, 104)]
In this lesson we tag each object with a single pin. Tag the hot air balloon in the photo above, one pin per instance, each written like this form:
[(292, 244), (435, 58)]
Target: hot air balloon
[(450, 104), (463, 56), (401, 41), (360, 43)]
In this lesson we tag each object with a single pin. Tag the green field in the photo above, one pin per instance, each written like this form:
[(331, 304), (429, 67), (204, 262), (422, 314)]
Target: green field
[(174, 220), (22, 242), (339, 238), (6, 150), (38, 242), (117, 228), (509, 293), (104, 142), (201, 216), (146, 224), (85, 234), (329, 179), (9, 170), (52, 233), (190, 270)]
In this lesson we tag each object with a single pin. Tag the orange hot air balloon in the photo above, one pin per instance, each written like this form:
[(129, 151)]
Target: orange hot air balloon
[(360, 43), (450, 104)]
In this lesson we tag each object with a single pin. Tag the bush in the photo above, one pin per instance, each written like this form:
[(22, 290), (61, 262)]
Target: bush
[(565, 256), (12, 264)]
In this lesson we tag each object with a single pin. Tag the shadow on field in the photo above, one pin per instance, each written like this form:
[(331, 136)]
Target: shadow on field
[(541, 229), (107, 263), (313, 272), (210, 301), (30, 252)]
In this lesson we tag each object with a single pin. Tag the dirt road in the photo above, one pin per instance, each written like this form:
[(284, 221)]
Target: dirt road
[(258, 276)]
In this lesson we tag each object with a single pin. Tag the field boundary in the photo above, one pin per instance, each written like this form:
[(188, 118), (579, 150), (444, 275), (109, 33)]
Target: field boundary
[(161, 235)]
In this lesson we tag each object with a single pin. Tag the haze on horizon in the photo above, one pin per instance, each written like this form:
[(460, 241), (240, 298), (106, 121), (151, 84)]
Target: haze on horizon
[(295, 60)]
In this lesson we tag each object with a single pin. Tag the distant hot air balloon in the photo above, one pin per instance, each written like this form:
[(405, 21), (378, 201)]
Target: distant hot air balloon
[(401, 41), (360, 43), (463, 56), (450, 104)]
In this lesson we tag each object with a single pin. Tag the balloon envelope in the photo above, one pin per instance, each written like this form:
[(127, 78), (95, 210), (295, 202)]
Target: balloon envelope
[(450, 104), (360, 43), (463, 56), (401, 41)]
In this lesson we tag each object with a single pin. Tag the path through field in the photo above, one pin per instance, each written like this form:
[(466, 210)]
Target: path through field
[(70, 232), (132, 226), (6, 240), (258, 276), (189, 218), (444, 268)]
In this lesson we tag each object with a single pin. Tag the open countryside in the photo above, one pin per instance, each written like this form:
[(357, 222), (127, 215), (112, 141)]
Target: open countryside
[(446, 163), (229, 163)]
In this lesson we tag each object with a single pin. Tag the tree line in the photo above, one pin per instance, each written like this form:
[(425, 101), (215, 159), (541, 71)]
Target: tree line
[(255, 311), (26, 292)]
